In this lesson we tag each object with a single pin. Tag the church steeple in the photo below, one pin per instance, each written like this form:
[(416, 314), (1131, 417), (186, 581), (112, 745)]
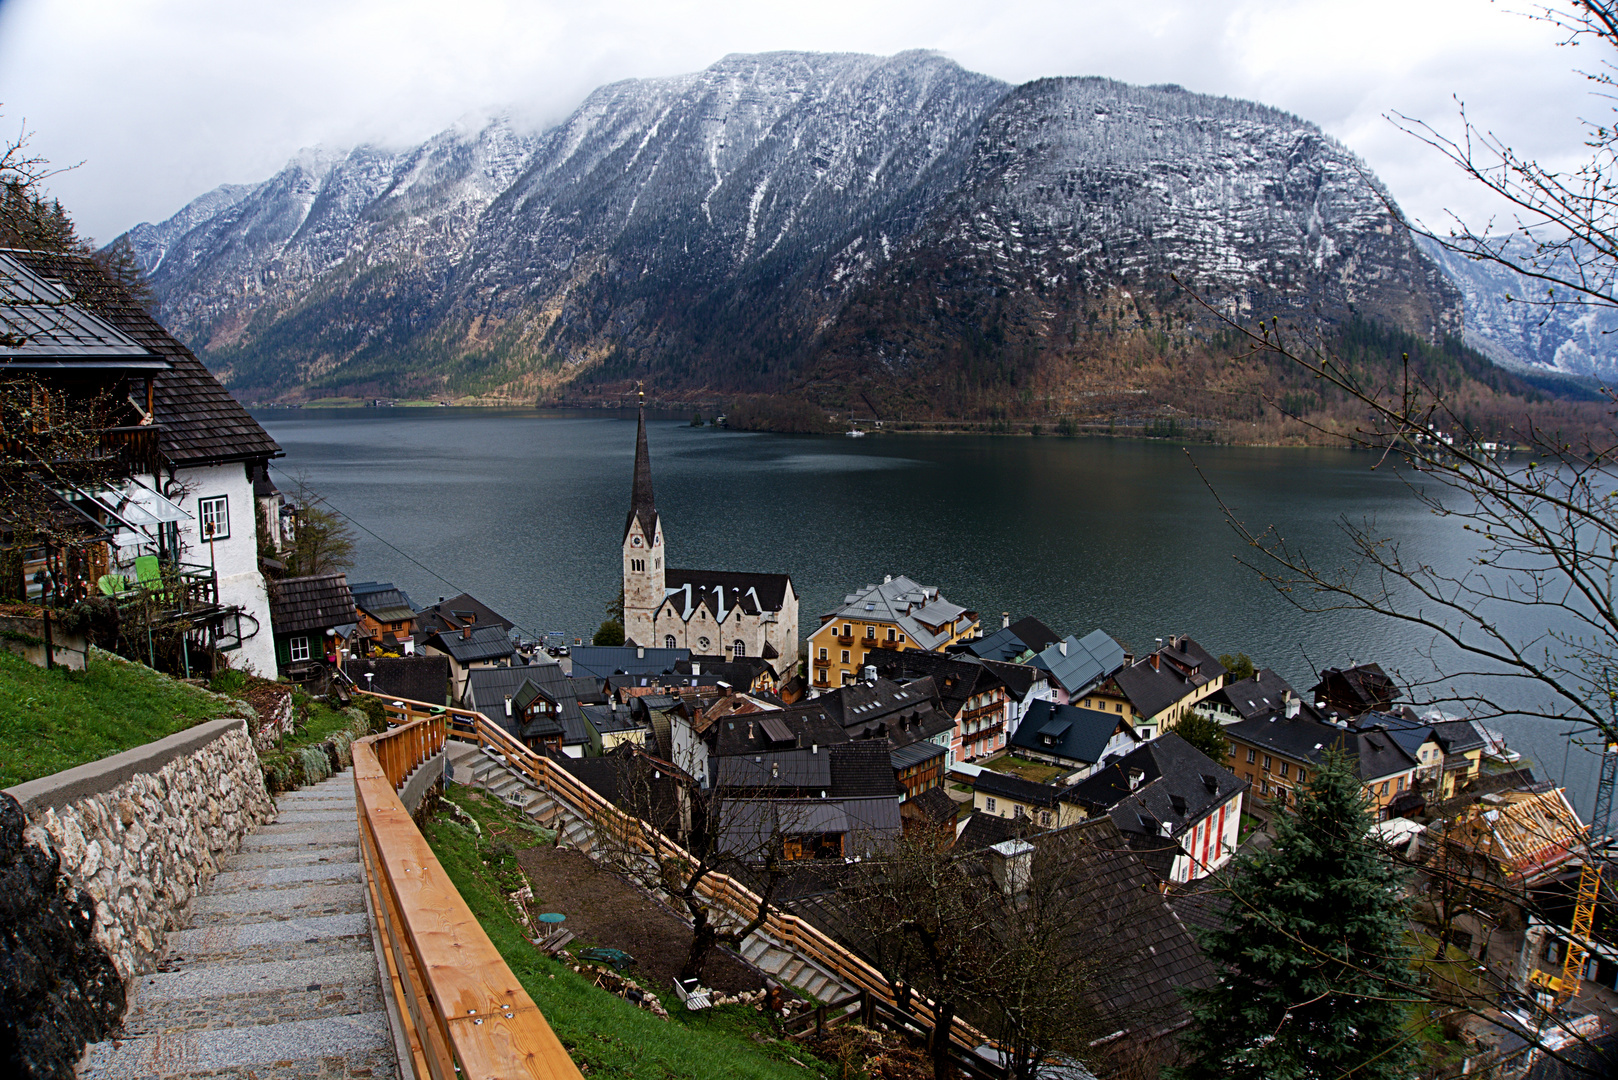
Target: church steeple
[(642, 506), (644, 572)]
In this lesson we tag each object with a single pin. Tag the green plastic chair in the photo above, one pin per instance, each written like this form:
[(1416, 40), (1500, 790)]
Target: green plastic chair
[(112, 584), (149, 572)]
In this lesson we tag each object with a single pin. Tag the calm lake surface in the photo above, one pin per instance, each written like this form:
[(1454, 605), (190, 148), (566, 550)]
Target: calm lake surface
[(525, 509)]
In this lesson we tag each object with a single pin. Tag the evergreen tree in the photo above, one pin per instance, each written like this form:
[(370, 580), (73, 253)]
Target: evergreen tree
[(1204, 733), (1312, 953)]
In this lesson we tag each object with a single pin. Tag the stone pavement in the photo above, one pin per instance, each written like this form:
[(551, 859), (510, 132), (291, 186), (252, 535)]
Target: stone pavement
[(275, 976)]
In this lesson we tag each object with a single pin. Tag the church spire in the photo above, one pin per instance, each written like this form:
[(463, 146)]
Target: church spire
[(641, 504)]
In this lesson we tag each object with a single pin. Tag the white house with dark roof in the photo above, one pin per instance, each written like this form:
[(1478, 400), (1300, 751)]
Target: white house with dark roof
[(191, 500), (710, 613)]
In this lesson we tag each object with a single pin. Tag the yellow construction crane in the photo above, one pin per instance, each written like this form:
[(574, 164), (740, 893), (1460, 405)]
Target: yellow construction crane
[(1584, 907)]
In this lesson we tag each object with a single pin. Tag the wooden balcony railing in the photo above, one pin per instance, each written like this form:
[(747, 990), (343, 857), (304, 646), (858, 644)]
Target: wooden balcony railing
[(138, 446), (466, 1016), (721, 890)]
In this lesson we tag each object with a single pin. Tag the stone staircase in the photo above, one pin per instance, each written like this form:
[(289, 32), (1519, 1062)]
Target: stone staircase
[(487, 770), (275, 975)]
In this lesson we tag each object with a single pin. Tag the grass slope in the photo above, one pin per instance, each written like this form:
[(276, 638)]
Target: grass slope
[(54, 720), (606, 1035)]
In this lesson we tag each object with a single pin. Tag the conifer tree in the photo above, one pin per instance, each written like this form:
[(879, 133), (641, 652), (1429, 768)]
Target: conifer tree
[(1312, 953)]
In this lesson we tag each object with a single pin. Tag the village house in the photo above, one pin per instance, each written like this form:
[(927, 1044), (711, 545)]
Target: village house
[(1154, 692), (1354, 690), (1277, 753), (1265, 694), (384, 619), (305, 614), (1518, 837), (826, 802), (712, 614), (412, 678), (468, 648), (604, 661), (1076, 665), (970, 692), (1072, 736), (897, 614), (490, 689), (188, 452), (1167, 789), (458, 613), (1005, 795), (1014, 643)]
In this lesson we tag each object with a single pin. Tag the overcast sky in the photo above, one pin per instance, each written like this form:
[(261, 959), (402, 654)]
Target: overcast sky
[(164, 99)]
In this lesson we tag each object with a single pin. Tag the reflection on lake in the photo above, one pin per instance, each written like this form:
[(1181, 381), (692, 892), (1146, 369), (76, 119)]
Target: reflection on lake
[(525, 509)]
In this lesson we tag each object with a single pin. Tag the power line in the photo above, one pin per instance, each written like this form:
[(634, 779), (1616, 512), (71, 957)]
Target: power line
[(306, 490)]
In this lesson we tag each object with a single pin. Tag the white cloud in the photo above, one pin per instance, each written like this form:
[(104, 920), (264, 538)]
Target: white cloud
[(164, 99)]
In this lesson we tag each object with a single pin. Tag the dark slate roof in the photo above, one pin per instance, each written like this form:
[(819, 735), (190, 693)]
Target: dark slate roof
[(1007, 786), (933, 805), (787, 769), (310, 603), (1035, 634), (456, 612), (1263, 694), (902, 713), (861, 770), (1201, 902), (1156, 853), (1003, 645), (1178, 786), (722, 591), (202, 424), (642, 506), (740, 733), (1458, 736), (418, 678), (737, 673), (1180, 668), (956, 678), (486, 690), (1081, 734), (1380, 755), (484, 643), (1085, 662), (1356, 689), (984, 829), (913, 754), (41, 329), (602, 661), (1018, 679), (385, 604), (1374, 753)]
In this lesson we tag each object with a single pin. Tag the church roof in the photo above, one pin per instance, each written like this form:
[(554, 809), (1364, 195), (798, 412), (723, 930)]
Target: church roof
[(642, 506), (722, 591)]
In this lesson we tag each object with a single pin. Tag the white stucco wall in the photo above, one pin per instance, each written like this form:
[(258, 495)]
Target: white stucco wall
[(234, 558)]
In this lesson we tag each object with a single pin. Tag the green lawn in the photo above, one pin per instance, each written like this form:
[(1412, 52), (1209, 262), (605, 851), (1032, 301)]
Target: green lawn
[(603, 1033), (54, 720), (1036, 771)]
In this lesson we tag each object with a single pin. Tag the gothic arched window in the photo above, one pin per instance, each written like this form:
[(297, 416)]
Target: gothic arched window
[(668, 641), (740, 648)]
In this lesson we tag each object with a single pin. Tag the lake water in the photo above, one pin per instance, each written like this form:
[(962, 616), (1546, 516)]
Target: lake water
[(525, 509)]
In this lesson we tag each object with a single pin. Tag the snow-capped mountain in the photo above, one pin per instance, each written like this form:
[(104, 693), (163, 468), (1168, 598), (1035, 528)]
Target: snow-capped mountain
[(781, 218)]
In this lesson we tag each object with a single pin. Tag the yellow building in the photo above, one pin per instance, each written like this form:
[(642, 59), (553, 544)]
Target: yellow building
[(1160, 688), (897, 614)]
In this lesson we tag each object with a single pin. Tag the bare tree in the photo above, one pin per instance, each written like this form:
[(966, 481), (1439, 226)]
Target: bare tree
[(719, 853), (1562, 233)]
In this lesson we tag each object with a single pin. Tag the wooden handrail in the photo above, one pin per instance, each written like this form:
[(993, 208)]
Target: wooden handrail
[(722, 890), (466, 1016)]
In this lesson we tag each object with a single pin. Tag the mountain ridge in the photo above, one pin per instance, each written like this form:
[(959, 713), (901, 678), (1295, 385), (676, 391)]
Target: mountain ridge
[(826, 225)]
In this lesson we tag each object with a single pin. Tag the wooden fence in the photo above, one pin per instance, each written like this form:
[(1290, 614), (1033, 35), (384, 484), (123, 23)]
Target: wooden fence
[(721, 890), (466, 1017)]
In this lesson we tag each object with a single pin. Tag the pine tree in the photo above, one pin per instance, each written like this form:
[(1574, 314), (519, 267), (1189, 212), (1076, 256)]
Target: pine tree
[(1312, 952)]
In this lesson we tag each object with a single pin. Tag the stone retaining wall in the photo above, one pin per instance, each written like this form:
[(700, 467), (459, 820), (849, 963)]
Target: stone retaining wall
[(141, 831)]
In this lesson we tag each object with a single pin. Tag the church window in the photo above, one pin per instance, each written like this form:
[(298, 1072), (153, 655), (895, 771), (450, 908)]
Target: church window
[(658, 562), (668, 641), (635, 541), (740, 648), (703, 643)]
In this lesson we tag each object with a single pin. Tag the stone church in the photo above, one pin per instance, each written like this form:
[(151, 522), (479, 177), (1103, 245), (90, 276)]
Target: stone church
[(717, 614)]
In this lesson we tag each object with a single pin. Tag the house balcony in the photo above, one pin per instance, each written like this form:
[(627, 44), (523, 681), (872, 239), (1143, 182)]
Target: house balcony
[(137, 446)]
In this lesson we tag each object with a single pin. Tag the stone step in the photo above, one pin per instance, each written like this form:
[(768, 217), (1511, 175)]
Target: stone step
[(334, 803), (309, 832), (237, 995), (287, 939), (262, 905), (355, 1045), (295, 856), (281, 876), (316, 817)]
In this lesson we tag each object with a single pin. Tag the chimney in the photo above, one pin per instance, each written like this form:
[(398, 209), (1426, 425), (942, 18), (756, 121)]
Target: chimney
[(887, 579), (508, 704), (466, 633), (640, 652), (1293, 706), (1135, 777), (869, 673), (1063, 646), (814, 748), (1157, 660), (696, 669), (775, 770), (1005, 620), (750, 729), (1011, 862)]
